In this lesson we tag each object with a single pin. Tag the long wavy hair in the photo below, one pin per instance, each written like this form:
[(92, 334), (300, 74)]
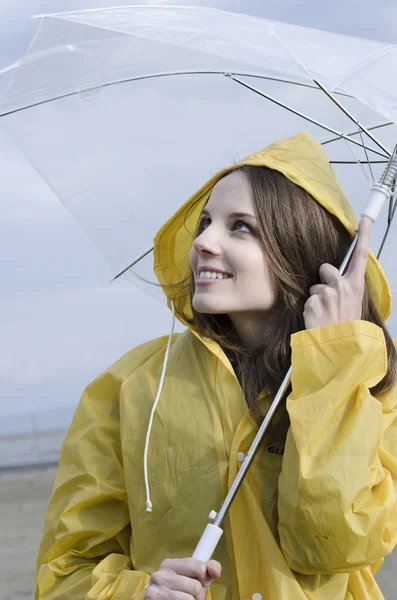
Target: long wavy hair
[(299, 236)]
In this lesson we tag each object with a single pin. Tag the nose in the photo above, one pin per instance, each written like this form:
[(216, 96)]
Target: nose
[(208, 242)]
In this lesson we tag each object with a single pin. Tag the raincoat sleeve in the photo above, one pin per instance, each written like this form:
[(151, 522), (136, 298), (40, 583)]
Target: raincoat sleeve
[(338, 485), (85, 549)]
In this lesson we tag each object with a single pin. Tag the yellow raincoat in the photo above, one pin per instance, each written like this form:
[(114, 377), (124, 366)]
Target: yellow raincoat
[(316, 513)]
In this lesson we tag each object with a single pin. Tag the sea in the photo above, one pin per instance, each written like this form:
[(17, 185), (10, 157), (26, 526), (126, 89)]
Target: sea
[(34, 438)]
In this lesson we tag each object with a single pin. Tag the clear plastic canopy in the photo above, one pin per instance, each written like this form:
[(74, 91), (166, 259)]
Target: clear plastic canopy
[(126, 111), (78, 50)]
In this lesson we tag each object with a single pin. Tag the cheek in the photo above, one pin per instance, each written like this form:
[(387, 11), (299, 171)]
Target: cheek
[(192, 258), (252, 263)]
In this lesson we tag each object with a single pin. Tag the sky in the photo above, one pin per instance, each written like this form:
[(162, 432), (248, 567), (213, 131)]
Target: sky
[(61, 320)]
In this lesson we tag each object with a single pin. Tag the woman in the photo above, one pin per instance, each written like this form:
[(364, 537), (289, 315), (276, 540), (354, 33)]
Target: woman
[(317, 511)]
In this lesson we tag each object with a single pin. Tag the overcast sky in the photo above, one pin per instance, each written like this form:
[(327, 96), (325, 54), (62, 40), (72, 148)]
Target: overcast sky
[(61, 321)]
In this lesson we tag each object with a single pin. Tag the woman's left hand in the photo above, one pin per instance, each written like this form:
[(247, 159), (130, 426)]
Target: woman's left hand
[(339, 298)]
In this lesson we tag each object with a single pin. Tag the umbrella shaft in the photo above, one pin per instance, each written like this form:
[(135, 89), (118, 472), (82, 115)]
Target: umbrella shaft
[(253, 450)]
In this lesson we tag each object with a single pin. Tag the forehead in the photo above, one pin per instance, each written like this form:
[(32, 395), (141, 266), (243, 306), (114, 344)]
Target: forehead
[(231, 192)]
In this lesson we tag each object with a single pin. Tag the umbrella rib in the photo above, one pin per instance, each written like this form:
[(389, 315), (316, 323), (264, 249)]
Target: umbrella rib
[(366, 156), (303, 116), (306, 85), (392, 207), (132, 264), (362, 162), (335, 139), (359, 163), (154, 76), (348, 114)]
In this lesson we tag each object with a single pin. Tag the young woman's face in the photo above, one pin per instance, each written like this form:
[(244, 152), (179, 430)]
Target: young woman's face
[(228, 259)]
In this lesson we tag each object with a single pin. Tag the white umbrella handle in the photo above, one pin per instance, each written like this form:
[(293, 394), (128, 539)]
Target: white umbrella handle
[(208, 542)]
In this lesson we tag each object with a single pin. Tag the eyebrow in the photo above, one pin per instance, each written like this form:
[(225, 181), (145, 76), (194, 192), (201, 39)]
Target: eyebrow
[(233, 215)]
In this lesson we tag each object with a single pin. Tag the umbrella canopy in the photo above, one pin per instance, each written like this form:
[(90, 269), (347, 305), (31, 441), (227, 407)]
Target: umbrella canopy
[(125, 112)]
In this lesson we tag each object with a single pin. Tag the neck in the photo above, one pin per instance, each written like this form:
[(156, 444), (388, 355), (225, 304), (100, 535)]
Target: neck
[(253, 328)]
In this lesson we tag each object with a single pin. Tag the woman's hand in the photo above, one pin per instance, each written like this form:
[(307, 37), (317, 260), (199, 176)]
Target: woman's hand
[(182, 579), (339, 298)]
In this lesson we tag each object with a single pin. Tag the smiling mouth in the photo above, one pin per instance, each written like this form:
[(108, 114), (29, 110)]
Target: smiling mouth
[(205, 275)]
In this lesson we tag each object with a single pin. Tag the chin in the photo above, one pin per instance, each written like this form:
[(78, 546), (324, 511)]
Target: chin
[(208, 308)]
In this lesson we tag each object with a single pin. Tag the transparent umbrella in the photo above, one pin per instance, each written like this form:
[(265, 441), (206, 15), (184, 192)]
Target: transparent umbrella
[(124, 112)]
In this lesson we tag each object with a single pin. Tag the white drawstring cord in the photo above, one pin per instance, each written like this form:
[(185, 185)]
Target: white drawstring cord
[(149, 505)]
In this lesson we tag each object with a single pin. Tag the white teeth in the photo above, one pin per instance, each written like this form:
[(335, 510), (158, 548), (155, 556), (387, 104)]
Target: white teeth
[(213, 275)]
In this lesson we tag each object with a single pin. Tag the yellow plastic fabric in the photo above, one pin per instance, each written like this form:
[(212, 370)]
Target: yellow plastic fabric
[(316, 513)]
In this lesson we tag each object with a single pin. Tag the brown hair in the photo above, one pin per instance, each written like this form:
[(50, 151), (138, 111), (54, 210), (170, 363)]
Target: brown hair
[(299, 236)]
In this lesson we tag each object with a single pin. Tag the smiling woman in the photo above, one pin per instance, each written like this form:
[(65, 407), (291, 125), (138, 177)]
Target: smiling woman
[(313, 519), (225, 243)]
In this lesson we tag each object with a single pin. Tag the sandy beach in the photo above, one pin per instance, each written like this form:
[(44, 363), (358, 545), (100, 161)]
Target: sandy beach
[(23, 500)]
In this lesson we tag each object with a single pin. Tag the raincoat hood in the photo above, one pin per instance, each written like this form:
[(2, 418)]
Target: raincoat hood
[(304, 161)]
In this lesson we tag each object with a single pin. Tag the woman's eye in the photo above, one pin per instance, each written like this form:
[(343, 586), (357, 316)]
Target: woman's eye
[(244, 227), (239, 225), (204, 222)]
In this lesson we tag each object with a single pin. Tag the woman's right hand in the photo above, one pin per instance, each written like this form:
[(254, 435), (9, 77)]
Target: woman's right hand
[(182, 579)]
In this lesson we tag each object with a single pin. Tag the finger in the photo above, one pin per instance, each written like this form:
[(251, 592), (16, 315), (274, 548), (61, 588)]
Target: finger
[(359, 259), (214, 571), (152, 594), (329, 274), (188, 585), (165, 578), (190, 567), (317, 289)]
